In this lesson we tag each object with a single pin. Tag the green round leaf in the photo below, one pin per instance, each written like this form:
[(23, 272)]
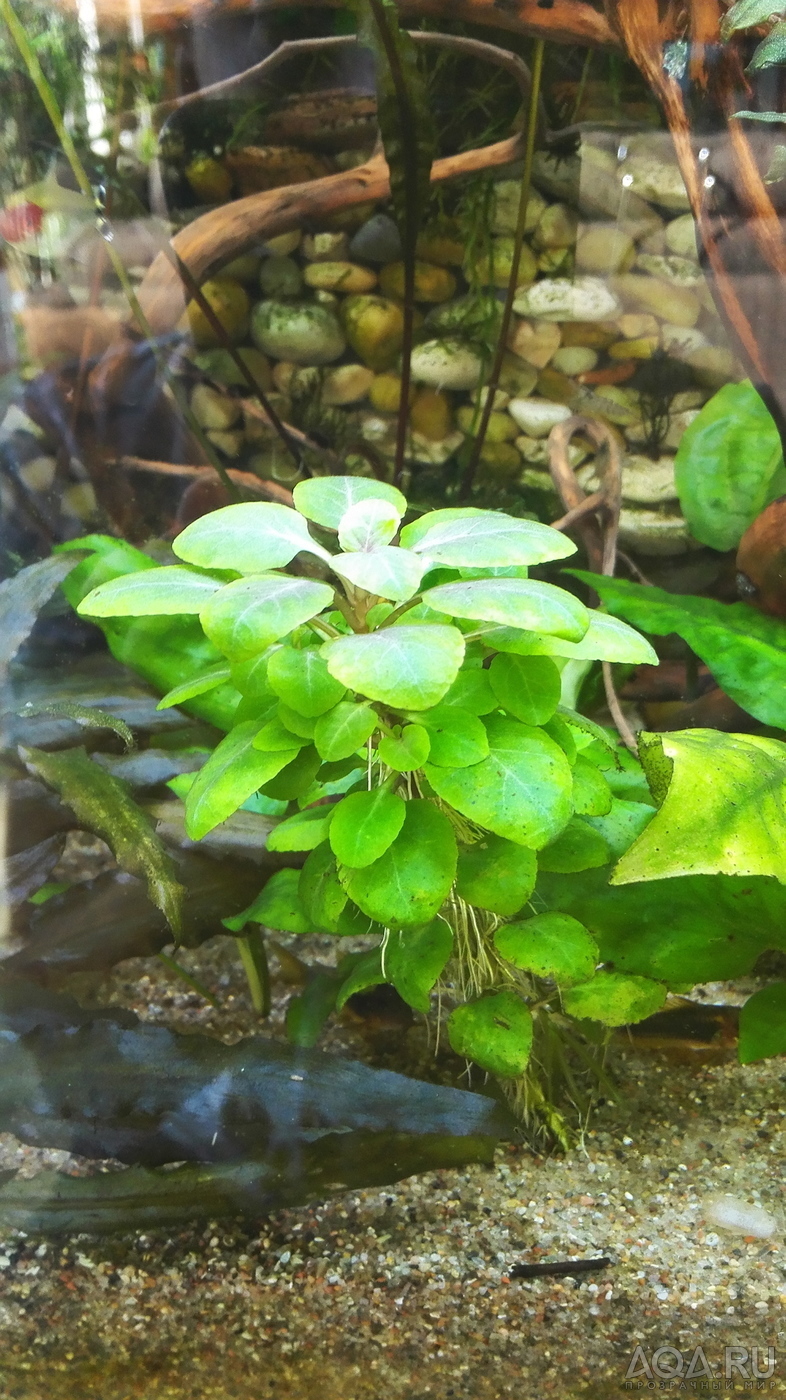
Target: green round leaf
[(249, 538), (483, 539), (410, 668), (578, 847), (591, 793), (550, 945), (326, 499), (497, 875), (763, 1024), (322, 895), (340, 732), (368, 524), (514, 602), (300, 677), (151, 592), (274, 736), (495, 1032), (415, 957), (526, 686), (388, 572), (278, 907), (302, 832), (615, 998), (521, 791), (296, 777), (296, 722), (364, 825), (471, 690), (234, 770), (364, 972), (410, 882), (250, 677), (243, 618), (407, 751), (458, 738)]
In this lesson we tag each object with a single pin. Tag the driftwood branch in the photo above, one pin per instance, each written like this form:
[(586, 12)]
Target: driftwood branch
[(247, 481)]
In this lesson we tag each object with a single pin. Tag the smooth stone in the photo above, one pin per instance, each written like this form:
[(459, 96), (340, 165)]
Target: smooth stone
[(427, 453), (644, 482), (375, 329), (501, 399), (377, 240), (655, 242), (678, 426), (432, 283), (329, 246), (507, 196), (380, 431), (283, 243), (212, 409), (501, 459), (535, 480), (605, 248), (555, 262), (339, 277), (79, 501), (326, 298), (689, 398), (346, 384), (574, 359), (634, 324), (244, 268), (259, 427), (517, 378), (259, 168), (713, 365), (609, 401), (39, 473), (595, 335), (681, 237), (681, 271), (501, 427), (642, 348), (470, 316), (446, 364), (656, 534), (537, 344), (441, 244), (303, 332), (385, 392), (554, 385), (219, 364), (656, 175), (537, 417), (682, 340), (494, 270), (680, 307), (229, 442), (230, 304), (280, 277), (586, 181), (556, 228), (431, 415), (585, 299), (536, 451)]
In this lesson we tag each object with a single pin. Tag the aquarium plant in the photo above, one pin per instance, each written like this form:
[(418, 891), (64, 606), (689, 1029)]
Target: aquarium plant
[(404, 691)]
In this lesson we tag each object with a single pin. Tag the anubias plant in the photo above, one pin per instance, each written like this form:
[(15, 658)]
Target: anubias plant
[(404, 692)]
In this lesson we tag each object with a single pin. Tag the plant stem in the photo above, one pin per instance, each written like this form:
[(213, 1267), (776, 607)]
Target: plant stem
[(253, 956), (507, 314), (581, 87), (187, 977)]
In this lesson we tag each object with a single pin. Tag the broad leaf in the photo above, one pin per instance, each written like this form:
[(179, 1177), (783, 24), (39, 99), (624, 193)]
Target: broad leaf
[(763, 1024), (296, 722), (483, 539), (302, 832), (278, 906), (410, 882), (249, 538), (296, 778), (746, 14), (367, 525), (308, 1012), (521, 791), (326, 499), (243, 618), (23, 596), (414, 958), (513, 602), (614, 998), (457, 737), (526, 686), (724, 809), (364, 825), (471, 690), (340, 733), (103, 804), (729, 466), (274, 736), (406, 751), (387, 571), (578, 847), (495, 1032), (550, 945), (364, 973), (199, 685), (250, 676), (497, 875), (606, 639), (321, 893), (592, 795), (301, 679), (151, 592), (233, 771), (410, 668), (744, 649), (771, 51)]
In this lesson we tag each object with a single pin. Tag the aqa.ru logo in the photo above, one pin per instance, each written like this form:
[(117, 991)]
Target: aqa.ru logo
[(670, 1369)]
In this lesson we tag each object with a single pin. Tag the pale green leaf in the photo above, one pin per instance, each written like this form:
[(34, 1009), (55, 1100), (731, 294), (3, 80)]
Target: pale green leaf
[(771, 52), (410, 668), (414, 958), (457, 737), (526, 686), (513, 602), (471, 690), (406, 751), (746, 14), (151, 592), (245, 617), (606, 639), (483, 539), (495, 1031), (496, 874), (234, 770), (274, 736), (198, 685), (326, 499), (298, 723), (521, 791), (614, 998), (410, 882), (591, 793), (302, 832), (340, 733), (364, 825), (550, 945), (779, 117), (368, 524), (388, 572), (300, 677), (249, 538)]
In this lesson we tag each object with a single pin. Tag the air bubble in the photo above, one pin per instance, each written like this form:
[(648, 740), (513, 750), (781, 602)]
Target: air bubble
[(704, 153), (627, 181), (709, 182)]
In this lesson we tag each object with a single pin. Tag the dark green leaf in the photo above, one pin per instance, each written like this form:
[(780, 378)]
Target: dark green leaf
[(410, 882), (300, 677), (771, 51), (234, 770), (340, 733), (249, 538), (495, 1032), (496, 874), (406, 751), (102, 804), (763, 1024), (410, 667), (414, 958), (307, 1013), (550, 945), (295, 779), (365, 972), (744, 649), (243, 618), (729, 466), (578, 847), (526, 686), (364, 825), (321, 894), (614, 998), (746, 14)]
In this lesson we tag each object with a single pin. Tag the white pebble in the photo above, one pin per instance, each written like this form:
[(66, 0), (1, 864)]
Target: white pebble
[(537, 417), (739, 1217)]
